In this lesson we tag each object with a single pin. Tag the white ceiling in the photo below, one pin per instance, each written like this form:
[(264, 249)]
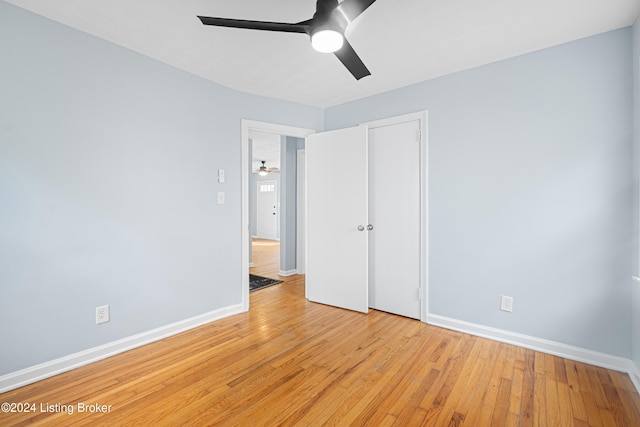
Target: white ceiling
[(401, 41), (265, 147)]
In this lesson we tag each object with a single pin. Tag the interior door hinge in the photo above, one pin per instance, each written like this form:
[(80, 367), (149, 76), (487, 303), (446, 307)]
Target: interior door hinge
[(419, 135)]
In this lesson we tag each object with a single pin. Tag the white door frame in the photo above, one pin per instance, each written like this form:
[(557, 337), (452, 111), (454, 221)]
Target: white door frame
[(422, 116), (247, 126), (301, 214)]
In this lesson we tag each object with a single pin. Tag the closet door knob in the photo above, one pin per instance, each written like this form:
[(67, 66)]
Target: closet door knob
[(369, 227), (361, 228)]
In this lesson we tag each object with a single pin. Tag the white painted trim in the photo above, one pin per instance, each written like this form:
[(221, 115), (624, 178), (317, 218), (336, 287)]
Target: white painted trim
[(419, 115), (300, 212), (54, 367), (246, 126), (634, 374), (579, 354), (423, 118), (424, 217), (286, 273)]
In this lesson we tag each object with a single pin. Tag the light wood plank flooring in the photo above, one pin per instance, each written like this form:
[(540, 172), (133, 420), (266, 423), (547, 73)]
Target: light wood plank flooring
[(266, 258), (291, 362)]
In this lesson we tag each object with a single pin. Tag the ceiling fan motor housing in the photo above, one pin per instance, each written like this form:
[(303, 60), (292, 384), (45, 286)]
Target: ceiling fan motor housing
[(328, 16)]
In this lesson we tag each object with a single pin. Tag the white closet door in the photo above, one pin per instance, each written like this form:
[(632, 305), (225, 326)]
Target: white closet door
[(394, 212), (337, 238)]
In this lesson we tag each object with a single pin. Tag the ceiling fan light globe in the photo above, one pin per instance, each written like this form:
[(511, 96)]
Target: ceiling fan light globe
[(327, 41), (262, 173)]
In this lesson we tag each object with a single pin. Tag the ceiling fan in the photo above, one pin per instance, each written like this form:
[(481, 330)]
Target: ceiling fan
[(263, 170), (326, 29)]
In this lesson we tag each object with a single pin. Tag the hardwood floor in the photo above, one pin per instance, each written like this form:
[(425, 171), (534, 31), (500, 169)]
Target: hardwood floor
[(291, 362), (266, 258)]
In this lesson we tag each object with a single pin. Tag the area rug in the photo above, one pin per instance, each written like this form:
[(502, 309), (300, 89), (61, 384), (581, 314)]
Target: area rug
[(259, 282)]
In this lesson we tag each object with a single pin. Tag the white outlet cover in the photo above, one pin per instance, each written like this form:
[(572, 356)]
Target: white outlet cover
[(102, 314), (506, 303)]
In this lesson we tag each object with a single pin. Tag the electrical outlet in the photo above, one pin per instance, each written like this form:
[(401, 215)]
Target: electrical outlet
[(506, 303), (102, 314)]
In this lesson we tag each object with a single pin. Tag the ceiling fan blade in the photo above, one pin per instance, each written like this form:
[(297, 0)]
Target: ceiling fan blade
[(301, 27), (353, 8), (352, 61)]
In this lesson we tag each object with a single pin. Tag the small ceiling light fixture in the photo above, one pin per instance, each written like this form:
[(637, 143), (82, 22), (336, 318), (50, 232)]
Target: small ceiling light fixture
[(327, 40), (263, 170)]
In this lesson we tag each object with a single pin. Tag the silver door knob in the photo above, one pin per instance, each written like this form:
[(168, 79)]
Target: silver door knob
[(361, 228), (369, 227)]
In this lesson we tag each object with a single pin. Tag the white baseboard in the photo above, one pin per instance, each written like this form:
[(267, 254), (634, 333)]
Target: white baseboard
[(54, 367), (579, 354), (287, 273), (634, 374)]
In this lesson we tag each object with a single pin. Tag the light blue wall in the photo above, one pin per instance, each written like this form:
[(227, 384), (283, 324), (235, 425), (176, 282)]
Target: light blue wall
[(288, 202), (636, 143), (530, 190), (108, 163)]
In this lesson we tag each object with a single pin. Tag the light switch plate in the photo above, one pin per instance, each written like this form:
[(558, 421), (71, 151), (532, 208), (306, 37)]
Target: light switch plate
[(221, 197), (221, 176)]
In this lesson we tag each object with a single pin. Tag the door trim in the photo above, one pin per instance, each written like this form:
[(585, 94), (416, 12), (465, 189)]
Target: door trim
[(301, 217), (246, 127), (422, 117)]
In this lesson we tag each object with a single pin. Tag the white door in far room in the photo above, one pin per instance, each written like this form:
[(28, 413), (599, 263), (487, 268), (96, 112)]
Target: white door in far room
[(267, 210)]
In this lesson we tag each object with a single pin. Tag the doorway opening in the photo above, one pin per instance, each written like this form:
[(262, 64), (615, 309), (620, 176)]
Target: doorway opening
[(273, 247), (264, 203)]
